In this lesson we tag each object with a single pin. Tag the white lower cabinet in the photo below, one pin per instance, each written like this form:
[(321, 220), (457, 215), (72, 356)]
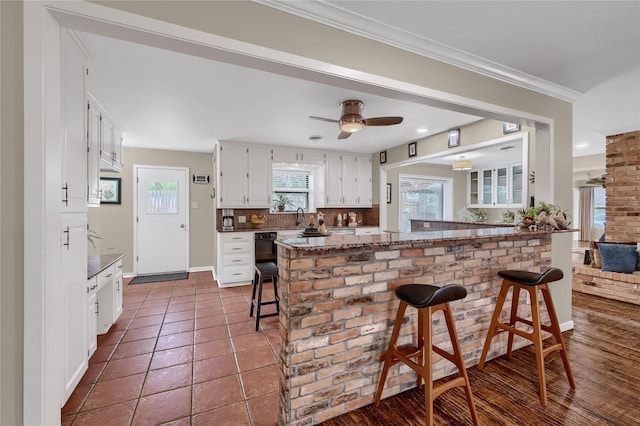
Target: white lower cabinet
[(235, 258), (106, 299), (117, 290), (92, 319), (74, 276)]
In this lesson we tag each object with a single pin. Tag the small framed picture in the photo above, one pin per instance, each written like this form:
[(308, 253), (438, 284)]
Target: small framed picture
[(510, 128), (383, 157), (413, 151), (110, 190), (453, 138), (388, 193)]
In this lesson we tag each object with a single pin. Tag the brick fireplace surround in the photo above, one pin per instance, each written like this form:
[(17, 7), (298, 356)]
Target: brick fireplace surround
[(623, 220)]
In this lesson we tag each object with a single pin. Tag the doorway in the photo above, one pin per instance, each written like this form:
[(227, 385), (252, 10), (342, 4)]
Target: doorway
[(161, 222)]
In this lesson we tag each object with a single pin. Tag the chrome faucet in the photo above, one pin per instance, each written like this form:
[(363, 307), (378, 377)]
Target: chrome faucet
[(299, 215)]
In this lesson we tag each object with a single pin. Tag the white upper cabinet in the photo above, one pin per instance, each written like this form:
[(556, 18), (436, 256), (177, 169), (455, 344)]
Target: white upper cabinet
[(74, 148), (348, 180), (93, 152), (364, 184), (296, 156), (499, 187), (244, 178), (110, 144)]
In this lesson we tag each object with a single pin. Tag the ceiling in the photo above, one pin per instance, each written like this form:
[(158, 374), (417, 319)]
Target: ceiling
[(587, 52)]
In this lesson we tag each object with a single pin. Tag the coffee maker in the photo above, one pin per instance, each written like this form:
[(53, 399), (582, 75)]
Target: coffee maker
[(227, 219)]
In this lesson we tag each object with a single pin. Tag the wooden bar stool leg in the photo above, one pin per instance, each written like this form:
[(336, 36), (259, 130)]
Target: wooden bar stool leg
[(515, 299), (536, 338), (493, 326), (420, 345), (388, 358), (557, 333), (459, 361), (425, 363)]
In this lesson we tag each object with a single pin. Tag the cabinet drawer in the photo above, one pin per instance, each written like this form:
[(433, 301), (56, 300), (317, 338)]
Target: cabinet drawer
[(230, 260), (237, 273), (92, 287), (236, 248), (106, 277), (118, 267), (236, 237)]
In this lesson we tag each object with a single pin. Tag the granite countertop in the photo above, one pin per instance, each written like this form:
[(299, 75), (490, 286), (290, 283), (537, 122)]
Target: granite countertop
[(97, 264), (294, 229), (339, 241)]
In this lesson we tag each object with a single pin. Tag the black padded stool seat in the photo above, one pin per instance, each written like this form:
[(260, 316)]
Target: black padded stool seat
[(267, 271), (427, 299), (530, 282)]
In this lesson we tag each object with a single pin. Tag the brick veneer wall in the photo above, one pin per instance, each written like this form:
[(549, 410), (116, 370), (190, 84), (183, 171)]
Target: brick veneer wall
[(610, 285), (338, 309), (623, 187)]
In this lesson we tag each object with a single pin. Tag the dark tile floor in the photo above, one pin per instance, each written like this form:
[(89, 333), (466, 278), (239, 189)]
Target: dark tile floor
[(182, 353)]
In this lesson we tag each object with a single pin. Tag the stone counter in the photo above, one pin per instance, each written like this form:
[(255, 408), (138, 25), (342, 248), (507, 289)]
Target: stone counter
[(96, 264), (338, 308)]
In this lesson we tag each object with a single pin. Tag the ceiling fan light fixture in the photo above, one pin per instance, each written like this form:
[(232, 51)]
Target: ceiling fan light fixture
[(351, 124), (462, 164)]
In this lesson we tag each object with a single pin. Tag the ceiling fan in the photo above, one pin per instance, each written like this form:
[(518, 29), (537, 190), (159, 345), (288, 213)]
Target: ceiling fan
[(352, 121)]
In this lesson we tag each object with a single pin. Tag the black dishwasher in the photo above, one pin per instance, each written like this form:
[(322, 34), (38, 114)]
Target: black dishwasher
[(265, 247)]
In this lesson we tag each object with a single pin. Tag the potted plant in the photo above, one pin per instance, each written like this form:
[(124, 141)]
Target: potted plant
[(281, 202)]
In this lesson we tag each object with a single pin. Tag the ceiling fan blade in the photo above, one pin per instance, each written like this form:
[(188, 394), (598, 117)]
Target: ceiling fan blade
[(344, 135), (382, 121), (330, 120)]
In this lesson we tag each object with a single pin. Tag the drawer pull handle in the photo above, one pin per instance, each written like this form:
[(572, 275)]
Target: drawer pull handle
[(109, 276), (237, 260), (237, 273), (236, 248)]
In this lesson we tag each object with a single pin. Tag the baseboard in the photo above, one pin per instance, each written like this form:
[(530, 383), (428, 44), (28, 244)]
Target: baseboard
[(566, 326), (201, 269)]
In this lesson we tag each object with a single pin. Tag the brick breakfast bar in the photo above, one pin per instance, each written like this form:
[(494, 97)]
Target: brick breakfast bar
[(338, 308)]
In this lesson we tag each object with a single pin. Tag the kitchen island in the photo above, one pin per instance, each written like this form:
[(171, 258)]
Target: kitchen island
[(338, 308)]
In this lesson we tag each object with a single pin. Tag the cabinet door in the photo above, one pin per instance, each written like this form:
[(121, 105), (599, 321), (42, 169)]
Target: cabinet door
[(473, 193), (517, 185), (285, 156), (259, 184), (364, 190), (233, 176), (487, 187), (502, 186), (117, 291), (311, 157), (74, 147), (93, 153), (349, 181), (74, 318), (106, 142), (116, 144), (105, 300), (333, 184), (92, 329)]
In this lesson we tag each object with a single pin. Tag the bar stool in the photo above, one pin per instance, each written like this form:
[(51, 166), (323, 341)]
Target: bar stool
[(264, 272), (531, 282), (427, 299)]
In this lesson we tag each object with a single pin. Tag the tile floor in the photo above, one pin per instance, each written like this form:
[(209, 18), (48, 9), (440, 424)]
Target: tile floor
[(182, 353)]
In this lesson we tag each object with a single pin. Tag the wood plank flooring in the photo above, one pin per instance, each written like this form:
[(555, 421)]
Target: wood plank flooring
[(604, 350)]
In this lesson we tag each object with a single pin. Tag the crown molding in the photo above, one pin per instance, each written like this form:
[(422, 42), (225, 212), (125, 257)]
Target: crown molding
[(334, 16)]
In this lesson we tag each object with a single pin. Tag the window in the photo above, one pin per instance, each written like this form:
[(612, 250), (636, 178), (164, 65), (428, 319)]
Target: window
[(294, 186), (599, 207), (162, 197), (423, 197)]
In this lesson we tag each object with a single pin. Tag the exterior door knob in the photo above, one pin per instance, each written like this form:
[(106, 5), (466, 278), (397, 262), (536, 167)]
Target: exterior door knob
[(182, 225)]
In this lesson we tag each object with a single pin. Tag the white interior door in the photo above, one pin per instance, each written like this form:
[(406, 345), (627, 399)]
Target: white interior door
[(162, 222)]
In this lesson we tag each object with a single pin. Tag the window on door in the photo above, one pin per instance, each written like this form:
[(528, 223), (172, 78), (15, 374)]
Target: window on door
[(423, 197)]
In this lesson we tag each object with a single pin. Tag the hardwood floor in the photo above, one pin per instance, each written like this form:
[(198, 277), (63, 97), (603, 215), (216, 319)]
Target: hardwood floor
[(604, 349)]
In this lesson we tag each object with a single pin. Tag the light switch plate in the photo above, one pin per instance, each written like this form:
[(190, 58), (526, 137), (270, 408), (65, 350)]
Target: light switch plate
[(194, 205), (242, 219)]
